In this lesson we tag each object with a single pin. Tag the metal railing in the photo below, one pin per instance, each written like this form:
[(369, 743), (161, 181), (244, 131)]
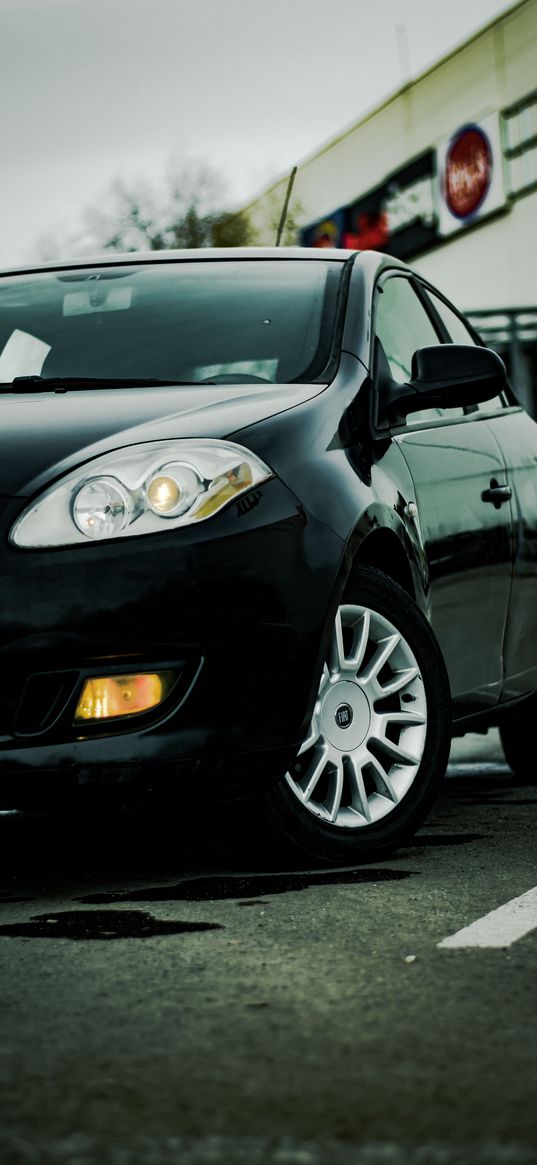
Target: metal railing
[(512, 332)]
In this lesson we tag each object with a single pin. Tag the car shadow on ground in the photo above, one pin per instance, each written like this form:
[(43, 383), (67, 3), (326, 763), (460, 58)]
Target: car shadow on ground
[(90, 843), (77, 852)]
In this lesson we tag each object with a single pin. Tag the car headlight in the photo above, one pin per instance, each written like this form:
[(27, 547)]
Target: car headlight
[(140, 490)]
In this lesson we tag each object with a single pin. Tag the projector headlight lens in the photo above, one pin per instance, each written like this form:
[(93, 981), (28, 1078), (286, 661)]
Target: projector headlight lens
[(173, 490)]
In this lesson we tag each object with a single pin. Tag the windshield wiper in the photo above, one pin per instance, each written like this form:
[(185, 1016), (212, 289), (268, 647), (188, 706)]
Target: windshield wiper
[(67, 383)]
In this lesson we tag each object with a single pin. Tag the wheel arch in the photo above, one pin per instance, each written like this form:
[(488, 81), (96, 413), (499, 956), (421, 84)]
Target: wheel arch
[(385, 536), (383, 549)]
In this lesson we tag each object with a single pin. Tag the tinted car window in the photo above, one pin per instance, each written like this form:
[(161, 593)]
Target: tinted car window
[(459, 333), (189, 321), (402, 327)]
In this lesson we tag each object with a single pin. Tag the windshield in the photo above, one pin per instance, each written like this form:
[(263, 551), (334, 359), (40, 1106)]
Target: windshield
[(195, 322)]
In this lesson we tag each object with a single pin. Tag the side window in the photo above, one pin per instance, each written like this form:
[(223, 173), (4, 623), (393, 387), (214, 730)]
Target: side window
[(402, 326), (459, 333)]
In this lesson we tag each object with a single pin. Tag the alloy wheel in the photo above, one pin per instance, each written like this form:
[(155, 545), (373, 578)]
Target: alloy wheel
[(368, 731)]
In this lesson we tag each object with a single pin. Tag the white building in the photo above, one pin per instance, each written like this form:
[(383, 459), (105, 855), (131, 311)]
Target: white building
[(444, 175)]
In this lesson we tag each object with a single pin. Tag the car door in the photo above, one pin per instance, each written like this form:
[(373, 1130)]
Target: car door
[(453, 457), (516, 435)]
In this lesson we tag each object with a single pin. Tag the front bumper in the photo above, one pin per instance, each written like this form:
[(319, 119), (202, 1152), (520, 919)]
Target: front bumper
[(238, 607)]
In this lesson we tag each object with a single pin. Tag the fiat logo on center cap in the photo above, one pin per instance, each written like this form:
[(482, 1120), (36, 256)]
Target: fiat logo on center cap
[(344, 716)]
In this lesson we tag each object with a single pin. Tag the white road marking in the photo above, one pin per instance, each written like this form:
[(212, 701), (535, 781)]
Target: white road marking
[(501, 927)]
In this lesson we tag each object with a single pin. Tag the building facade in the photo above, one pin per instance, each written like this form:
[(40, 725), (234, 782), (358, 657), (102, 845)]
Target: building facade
[(443, 175)]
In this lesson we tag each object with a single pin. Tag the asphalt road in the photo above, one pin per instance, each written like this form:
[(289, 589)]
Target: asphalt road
[(162, 1005)]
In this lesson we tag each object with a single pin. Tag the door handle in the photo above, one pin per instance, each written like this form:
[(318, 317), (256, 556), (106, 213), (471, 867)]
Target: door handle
[(496, 494)]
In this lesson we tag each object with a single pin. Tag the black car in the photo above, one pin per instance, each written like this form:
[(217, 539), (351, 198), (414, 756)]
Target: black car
[(269, 526)]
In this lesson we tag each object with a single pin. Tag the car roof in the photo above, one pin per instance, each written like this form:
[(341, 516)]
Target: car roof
[(113, 258)]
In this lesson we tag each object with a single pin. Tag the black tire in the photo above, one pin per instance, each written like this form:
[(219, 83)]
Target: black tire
[(300, 830), (516, 735)]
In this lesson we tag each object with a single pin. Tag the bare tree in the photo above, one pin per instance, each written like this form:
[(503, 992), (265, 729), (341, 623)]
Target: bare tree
[(182, 211)]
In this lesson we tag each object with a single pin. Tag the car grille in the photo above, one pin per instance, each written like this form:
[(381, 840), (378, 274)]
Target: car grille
[(42, 700)]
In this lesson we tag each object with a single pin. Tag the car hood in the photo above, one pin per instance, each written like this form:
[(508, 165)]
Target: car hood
[(45, 434)]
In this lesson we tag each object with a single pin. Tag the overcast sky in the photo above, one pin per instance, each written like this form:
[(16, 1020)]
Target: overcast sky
[(92, 90)]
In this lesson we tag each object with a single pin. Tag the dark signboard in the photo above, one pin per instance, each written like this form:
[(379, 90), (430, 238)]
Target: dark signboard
[(396, 217)]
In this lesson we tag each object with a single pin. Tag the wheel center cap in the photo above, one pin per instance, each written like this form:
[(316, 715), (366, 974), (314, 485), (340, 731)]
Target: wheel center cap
[(345, 716)]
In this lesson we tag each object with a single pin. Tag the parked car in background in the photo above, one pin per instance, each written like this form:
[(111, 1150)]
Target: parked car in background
[(269, 528)]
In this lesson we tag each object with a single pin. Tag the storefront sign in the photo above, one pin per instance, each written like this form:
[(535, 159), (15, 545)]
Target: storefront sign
[(406, 205), (328, 232), (469, 175), (435, 196), (396, 217)]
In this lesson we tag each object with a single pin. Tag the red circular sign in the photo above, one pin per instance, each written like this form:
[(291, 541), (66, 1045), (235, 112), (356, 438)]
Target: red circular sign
[(468, 172)]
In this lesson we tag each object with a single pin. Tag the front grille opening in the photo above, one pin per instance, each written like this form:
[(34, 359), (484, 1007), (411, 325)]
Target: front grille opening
[(43, 700)]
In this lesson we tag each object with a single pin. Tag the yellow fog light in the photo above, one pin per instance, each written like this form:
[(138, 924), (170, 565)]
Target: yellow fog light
[(106, 697)]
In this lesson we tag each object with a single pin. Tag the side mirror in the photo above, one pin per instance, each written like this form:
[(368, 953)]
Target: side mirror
[(446, 376)]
